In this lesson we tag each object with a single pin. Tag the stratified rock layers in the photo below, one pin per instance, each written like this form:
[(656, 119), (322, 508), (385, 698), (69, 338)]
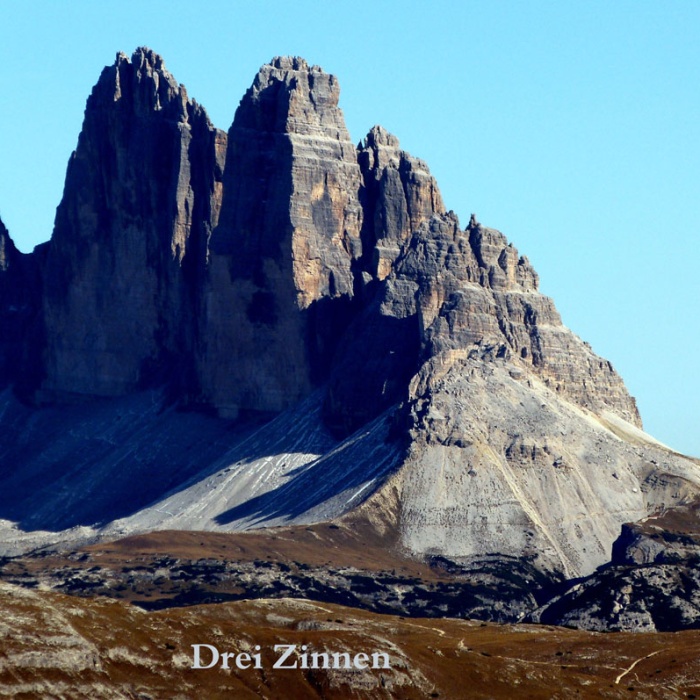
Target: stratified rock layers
[(399, 196), (240, 278), (515, 423)]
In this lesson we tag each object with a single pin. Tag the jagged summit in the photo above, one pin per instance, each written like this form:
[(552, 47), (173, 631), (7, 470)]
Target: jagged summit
[(143, 57), (142, 82), (287, 63), (130, 235), (277, 274), (379, 136), (307, 98), (280, 273)]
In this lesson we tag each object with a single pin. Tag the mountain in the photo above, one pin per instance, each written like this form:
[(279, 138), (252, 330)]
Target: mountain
[(275, 327), (125, 261)]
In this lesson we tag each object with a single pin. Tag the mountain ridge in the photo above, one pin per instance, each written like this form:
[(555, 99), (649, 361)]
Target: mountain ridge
[(318, 296)]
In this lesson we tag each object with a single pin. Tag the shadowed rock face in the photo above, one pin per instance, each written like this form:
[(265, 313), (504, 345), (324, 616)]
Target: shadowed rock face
[(280, 270), (127, 255), (10, 295), (399, 196), (20, 300)]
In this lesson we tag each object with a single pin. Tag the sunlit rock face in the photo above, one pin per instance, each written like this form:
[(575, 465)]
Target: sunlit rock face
[(522, 441), (280, 280)]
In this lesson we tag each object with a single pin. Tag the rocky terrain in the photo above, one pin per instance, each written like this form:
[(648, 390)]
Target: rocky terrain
[(327, 563), (294, 585), (52, 645), (355, 343), (256, 366), (652, 582)]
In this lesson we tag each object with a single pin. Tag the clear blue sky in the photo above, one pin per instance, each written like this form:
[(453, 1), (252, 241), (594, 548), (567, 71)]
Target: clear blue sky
[(573, 127)]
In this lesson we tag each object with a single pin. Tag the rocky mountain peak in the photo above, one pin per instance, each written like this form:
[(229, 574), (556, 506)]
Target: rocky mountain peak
[(141, 84), (279, 270), (281, 274), (145, 59), (399, 195), (378, 136), (293, 97)]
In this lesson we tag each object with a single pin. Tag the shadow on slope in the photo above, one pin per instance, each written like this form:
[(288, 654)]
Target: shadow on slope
[(88, 465), (335, 482)]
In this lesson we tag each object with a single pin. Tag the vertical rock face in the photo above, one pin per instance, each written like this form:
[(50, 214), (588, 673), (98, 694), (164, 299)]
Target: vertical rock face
[(280, 267), (245, 270), (380, 351), (462, 293), (10, 299), (127, 254), (20, 300), (8, 252), (399, 196)]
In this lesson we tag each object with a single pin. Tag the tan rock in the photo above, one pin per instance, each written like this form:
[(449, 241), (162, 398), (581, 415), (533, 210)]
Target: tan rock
[(282, 254)]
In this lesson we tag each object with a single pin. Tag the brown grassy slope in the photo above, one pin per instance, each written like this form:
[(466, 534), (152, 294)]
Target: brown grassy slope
[(315, 545), (55, 646)]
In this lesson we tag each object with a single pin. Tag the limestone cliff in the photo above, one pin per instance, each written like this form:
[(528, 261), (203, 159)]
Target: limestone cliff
[(514, 422), (129, 246), (399, 196), (280, 271), (456, 293), (409, 364)]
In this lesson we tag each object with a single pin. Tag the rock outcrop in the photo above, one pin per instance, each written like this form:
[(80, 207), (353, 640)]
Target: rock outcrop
[(652, 583), (399, 196), (127, 254), (651, 598), (457, 293)]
